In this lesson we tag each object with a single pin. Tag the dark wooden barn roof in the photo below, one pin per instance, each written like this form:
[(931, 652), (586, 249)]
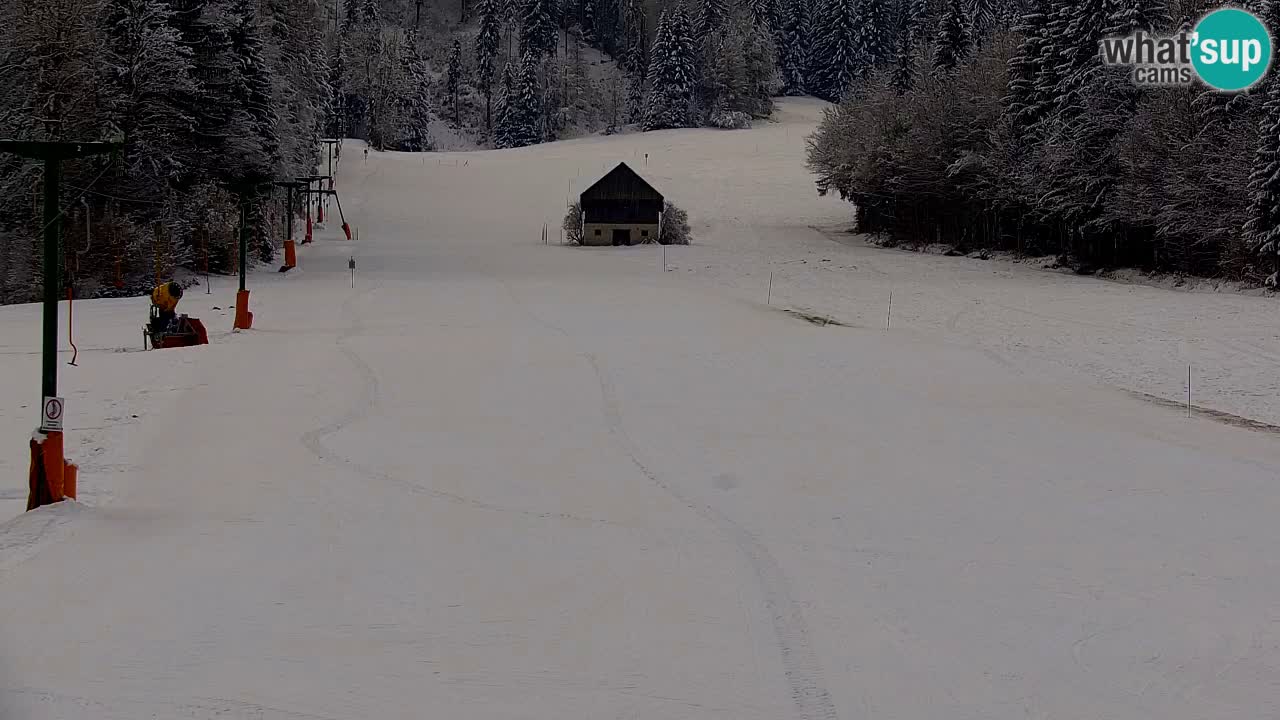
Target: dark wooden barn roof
[(621, 183)]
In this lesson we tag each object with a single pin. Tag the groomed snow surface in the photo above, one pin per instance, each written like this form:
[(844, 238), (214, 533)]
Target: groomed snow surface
[(503, 480)]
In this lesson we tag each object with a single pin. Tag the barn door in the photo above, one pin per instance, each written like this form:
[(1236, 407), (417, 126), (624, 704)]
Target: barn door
[(621, 236)]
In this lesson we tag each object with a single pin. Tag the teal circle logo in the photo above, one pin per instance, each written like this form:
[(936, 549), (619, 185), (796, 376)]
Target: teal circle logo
[(1231, 49)]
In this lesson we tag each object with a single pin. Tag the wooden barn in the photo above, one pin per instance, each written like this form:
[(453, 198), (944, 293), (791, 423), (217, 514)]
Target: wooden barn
[(621, 209)]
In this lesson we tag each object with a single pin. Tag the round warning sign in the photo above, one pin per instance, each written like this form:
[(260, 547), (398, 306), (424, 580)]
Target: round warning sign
[(53, 407)]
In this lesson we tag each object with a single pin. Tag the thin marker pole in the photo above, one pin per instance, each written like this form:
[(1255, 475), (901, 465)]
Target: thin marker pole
[(204, 249), (770, 300), (1188, 391), (888, 319)]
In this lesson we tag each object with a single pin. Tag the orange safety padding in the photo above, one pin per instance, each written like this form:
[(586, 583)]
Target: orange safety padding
[(244, 318), (290, 254), (346, 229), (54, 464), (39, 492), (69, 476)]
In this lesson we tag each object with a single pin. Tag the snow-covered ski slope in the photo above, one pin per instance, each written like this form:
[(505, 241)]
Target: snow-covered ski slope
[(499, 480)]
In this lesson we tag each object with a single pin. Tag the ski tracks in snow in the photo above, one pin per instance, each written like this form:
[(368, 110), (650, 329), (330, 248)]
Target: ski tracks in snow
[(800, 663), (313, 440), (76, 707)]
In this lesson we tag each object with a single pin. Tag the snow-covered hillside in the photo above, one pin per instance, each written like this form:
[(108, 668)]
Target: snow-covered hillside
[(499, 479)]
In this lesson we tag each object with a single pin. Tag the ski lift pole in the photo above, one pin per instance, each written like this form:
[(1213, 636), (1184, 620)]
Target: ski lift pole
[(52, 477), (345, 227), (339, 202), (246, 191), (292, 188), (53, 153)]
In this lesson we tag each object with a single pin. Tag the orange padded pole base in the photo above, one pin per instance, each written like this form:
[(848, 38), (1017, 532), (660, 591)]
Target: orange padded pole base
[(47, 470), (290, 254), (70, 475), (244, 318)]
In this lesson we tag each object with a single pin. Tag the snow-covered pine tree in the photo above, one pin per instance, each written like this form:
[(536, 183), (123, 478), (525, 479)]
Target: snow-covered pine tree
[(553, 114), (351, 13), (387, 84), (512, 14), (502, 129), (453, 77), (538, 29), (984, 16), (764, 15), (954, 40), (659, 51), (722, 77), (837, 61), (711, 15), (1103, 103), (338, 87), (904, 63), (370, 12), (417, 102), (635, 97), (1263, 226), (672, 67), (568, 13), (609, 26), (917, 16), (1085, 23), (201, 90), (793, 51), (257, 153), (525, 107), (488, 41), (589, 22), (762, 81), (737, 72), (302, 93), (635, 46), (875, 32), (1048, 69), (145, 71), (212, 107), (1009, 13), (1023, 102), (1128, 16), (261, 152)]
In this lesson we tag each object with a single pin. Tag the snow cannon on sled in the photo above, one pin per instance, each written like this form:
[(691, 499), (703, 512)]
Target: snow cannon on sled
[(165, 328)]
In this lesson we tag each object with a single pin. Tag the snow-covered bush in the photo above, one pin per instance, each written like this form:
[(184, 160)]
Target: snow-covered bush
[(573, 225), (675, 226), (730, 120)]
